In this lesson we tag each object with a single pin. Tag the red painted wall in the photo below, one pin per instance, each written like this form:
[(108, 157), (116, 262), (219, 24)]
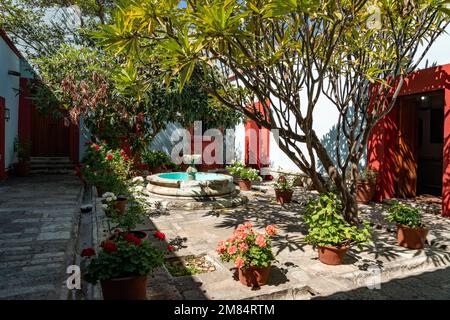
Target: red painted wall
[(381, 147), (2, 139)]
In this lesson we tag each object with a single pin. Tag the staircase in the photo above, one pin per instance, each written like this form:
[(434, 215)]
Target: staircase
[(51, 165)]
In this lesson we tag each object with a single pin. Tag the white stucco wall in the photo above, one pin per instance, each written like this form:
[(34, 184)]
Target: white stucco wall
[(9, 86)]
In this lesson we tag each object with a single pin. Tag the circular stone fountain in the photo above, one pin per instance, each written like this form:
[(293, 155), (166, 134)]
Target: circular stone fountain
[(200, 190)]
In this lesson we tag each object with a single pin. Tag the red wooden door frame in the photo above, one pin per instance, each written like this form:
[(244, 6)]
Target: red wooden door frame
[(2, 139), (381, 146)]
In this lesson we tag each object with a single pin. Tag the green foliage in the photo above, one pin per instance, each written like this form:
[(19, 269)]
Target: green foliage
[(107, 168), (327, 226), (284, 183), (128, 260), (245, 173), (156, 159), (368, 175), (23, 149), (133, 216), (404, 214)]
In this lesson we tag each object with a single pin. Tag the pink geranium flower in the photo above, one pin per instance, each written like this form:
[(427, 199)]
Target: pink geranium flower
[(232, 250), (243, 247), (271, 230), (239, 263), (261, 240)]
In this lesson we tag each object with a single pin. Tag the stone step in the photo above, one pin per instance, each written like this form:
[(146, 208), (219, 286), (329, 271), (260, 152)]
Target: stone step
[(50, 160), (51, 165), (51, 171)]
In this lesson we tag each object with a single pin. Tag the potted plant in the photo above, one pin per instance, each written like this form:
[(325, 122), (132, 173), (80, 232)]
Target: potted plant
[(122, 266), (365, 185), (411, 232), (329, 231), (23, 149), (127, 222), (234, 170), (283, 190), (251, 253), (246, 175)]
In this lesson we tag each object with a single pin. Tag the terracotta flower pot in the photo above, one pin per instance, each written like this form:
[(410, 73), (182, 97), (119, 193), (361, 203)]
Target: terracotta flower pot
[(22, 169), (283, 196), (130, 288), (253, 276), (245, 185), (365, 190), (120, 204), (412, 238), (332, 255)]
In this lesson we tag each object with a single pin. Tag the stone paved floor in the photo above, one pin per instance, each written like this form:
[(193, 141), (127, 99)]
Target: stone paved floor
[(298, 274), (38, 220)]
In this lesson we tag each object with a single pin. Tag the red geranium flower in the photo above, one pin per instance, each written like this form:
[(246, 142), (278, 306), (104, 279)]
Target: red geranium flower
[(109, 246), (131, 238), (96, 146), (170, 248), (87, 252), (109, 156), (122, 153), (159, 235), (126, 158)]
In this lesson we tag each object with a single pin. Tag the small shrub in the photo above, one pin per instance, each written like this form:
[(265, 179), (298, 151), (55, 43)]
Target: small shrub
[(404, 214), (327, 226)]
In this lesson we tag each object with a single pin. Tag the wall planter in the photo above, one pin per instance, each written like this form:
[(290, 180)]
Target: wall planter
[(245, 185), (332, 255), (129, 288), (22, 169), (254, 277), (411, 238), (283, 196)]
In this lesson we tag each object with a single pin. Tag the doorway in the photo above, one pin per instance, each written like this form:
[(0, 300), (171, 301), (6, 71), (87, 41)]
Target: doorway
[(419, 160)]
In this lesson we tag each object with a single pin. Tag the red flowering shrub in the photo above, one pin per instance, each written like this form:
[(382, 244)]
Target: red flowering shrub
[(159, 235), (122, 257), (109, 246), (248, 248), (131, 238), (87, 252)]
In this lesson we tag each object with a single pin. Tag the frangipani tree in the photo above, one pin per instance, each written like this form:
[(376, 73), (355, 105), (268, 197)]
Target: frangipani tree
[(287, 54)]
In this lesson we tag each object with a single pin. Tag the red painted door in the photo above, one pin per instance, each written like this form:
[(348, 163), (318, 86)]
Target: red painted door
[(50, 137), (256, 143), (406, 157), (2, 138)]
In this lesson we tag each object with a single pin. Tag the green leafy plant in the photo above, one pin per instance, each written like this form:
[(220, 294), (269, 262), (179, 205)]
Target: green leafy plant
[(248, 248), (245, 173), (156, 159), (235, 168), (109, 168), (327, 226), (284, 183), (126, 256), (368, 175), (133, 215), (405, 215), (23, 148)]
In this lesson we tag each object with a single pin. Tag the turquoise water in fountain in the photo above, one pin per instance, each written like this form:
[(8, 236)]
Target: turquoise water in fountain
[(199, 176)]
